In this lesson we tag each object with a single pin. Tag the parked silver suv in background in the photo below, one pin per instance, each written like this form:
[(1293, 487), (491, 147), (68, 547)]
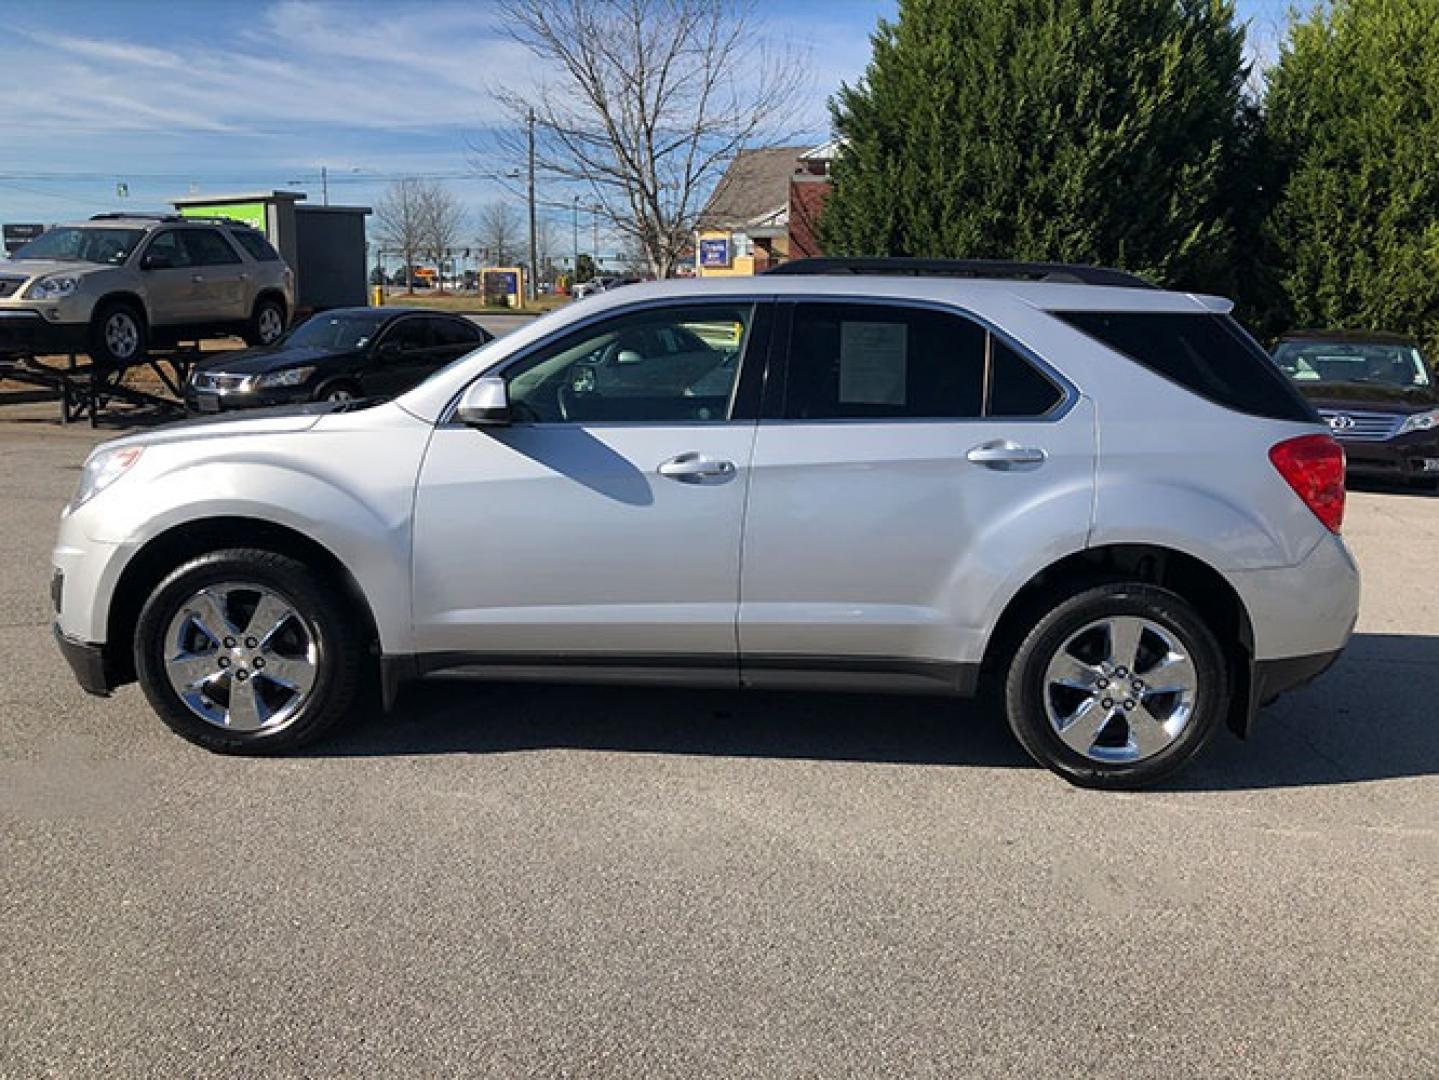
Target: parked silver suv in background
[(1099, 500), (119, 283)]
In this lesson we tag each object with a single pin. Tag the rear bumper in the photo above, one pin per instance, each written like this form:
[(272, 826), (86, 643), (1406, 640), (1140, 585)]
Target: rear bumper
[(26, 332), (1274, 677), (87, 661)]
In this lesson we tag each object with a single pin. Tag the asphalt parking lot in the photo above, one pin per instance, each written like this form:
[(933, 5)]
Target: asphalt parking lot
[(516, 881)]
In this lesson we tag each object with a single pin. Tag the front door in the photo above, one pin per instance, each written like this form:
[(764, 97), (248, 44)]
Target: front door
[(602, 527), (171, 293), (900, 450), (402, 357)]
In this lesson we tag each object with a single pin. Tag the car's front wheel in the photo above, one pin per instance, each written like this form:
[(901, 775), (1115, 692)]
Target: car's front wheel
[(246, 651), (117, 336), (1117, 686)]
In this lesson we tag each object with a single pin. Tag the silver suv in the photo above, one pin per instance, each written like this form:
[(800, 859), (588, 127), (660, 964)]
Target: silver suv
[(1096, 500), (117, 284)]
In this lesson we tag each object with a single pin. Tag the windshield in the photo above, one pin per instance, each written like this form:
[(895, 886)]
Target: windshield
[(340, 333), (1352, 362), (73, 244)]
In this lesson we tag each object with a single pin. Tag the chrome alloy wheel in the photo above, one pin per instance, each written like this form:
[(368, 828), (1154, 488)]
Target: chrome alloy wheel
[(340, 393), (1120, 690), (122, 335), (270, 325), (241, 657)]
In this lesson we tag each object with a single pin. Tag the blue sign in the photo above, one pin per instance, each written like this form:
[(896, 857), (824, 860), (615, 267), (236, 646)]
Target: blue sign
[(714, 252)]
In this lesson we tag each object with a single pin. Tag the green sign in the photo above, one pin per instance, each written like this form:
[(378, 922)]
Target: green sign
[(251, 213)]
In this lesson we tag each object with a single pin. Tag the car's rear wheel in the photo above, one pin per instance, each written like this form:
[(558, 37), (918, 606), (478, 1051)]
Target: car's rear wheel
[(246, 651), (267, 322), (118, 336), (1117, 686)]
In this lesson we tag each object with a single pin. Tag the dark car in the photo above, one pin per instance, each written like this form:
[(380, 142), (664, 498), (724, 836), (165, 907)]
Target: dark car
[(1378, 396), (339, 355)]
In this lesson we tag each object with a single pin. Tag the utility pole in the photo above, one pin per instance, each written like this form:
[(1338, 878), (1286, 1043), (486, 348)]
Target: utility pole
[(533, 287), (595, 221), (325, 184), (574, 280)]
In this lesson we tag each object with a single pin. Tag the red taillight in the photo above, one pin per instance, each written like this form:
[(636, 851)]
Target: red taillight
[(1313, 465)]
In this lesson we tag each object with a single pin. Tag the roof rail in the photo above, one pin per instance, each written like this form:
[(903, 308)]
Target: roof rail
[(125, 215), (1066, 273)]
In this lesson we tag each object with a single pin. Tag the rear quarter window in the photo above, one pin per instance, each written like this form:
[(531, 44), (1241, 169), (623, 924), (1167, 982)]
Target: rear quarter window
[(1208, 355)]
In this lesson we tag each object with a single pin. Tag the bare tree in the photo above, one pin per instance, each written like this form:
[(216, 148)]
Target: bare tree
[(500, 232), (646, 102), (400, 218), (443, 220)]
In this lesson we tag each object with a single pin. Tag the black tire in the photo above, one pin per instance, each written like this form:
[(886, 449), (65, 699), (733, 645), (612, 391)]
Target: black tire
[(261, 330), (114, 323), (340, 647), (1026, 693), (339, 390)]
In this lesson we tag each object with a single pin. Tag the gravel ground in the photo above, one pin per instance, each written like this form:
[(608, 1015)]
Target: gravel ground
[(513, 881)]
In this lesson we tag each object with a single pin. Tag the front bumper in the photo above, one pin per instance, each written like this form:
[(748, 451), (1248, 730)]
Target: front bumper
[(1406, 457), (87, 661), (201, 403), (26, 332)]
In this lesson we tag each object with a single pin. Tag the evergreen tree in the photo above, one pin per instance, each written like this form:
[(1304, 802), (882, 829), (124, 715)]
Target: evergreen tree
[(1103, 131), (1353, 108)]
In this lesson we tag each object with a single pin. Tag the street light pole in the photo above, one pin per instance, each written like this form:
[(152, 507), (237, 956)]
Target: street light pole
[(595, 221), (533, 289), (576, 277)]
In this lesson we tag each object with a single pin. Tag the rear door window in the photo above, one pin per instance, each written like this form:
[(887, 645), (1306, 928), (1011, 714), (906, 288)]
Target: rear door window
[(255, 245), (860, 361), (207, 248), (1208, 355)]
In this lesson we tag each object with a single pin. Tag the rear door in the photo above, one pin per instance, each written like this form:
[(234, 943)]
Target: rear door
[(218, 274), (900, 449), (401, 358)]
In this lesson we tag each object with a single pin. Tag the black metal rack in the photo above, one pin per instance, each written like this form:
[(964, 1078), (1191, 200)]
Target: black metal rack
[(86, 390), (986, 269)]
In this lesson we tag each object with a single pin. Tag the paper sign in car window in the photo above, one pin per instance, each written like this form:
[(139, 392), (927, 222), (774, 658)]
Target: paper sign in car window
[(872, 363)]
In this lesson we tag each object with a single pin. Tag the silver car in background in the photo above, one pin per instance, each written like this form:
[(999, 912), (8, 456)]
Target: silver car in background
[(1095, 500)]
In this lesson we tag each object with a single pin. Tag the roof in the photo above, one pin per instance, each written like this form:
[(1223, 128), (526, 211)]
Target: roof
[(238, 197), (756, 184), (1372, 337)]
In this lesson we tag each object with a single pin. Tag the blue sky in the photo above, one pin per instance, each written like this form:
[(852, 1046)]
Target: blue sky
[(236, 95)]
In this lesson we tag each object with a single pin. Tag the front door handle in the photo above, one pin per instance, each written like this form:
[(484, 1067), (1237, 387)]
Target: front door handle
[(198, 279), (1003, 454), (692, 467)]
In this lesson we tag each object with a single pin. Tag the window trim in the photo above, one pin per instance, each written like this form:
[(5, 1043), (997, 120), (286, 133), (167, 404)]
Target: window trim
[(777, 386), (761, 340)]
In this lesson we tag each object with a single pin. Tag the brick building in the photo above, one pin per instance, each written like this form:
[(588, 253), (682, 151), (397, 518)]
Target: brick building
[(764, 210)]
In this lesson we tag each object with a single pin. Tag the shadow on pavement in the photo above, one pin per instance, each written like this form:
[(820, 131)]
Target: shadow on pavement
[(1374, 716)]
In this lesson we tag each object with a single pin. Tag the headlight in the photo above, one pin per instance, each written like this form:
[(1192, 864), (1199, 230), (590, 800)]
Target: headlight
[(53, 288), (1421, 421), (295, 376), (101, 470)]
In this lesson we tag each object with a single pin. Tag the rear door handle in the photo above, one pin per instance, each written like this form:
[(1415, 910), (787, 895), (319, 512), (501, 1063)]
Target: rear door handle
[(1003, 454), (692, 467)]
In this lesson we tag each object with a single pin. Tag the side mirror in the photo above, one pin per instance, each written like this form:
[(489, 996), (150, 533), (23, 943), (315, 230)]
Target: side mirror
[(388, 350), (485, 404)]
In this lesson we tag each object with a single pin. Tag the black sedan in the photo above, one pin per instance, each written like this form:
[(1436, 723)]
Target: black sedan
[(339, 355), (1377, 394)]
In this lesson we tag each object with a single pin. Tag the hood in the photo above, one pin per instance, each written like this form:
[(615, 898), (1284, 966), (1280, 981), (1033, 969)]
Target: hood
[(31, 268), (1371, 397), (274, 358), (280, 420)]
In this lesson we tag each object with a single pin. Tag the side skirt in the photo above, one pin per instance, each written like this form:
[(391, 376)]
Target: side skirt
[(853, 674)]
